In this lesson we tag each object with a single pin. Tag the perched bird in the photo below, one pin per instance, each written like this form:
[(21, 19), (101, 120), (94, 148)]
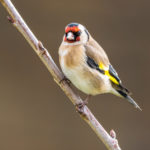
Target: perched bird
[(85, 63)]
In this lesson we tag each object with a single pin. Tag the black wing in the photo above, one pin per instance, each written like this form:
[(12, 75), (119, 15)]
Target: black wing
[(120, 88), (113, 73), (94, 65)]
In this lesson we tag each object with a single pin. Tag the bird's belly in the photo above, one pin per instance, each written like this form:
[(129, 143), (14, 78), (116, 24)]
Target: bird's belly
[(81, 83), (85, 81)]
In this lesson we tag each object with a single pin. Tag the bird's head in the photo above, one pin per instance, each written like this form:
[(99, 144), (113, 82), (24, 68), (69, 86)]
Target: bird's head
[(75, 34)]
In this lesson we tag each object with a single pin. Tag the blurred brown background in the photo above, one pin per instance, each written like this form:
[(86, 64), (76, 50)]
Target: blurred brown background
[(35, 114)]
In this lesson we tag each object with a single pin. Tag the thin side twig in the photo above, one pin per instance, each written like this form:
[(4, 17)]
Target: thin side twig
[(109, 140)]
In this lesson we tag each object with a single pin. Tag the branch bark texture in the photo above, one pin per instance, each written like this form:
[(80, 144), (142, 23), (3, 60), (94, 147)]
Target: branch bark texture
[(15, 18)]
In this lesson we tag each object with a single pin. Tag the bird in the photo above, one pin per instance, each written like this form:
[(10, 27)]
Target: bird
[(85, 63)]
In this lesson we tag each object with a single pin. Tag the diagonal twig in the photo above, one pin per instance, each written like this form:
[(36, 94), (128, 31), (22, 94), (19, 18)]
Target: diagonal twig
[(109, 140)]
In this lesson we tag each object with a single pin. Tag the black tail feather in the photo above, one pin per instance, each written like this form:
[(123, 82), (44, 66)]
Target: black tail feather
[(125, 93), (126, 96), (125, 90), (121, 88)]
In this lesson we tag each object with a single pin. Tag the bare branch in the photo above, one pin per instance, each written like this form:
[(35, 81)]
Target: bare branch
[(110, 141)]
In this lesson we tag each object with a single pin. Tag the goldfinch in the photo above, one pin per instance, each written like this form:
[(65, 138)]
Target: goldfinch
[(85, 63)]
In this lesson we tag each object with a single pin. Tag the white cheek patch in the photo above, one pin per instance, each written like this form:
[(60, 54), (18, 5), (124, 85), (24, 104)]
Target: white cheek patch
[(81, 27), (84, 34)]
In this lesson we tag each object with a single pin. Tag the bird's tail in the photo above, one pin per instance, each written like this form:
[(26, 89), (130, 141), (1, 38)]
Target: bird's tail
[(127, 97), (123, 92)]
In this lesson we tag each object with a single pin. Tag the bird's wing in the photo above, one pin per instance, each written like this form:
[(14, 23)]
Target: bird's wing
[(97, 59), (96, 52)]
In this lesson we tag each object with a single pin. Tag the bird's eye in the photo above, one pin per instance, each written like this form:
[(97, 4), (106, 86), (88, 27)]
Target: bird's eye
[(78, 33)]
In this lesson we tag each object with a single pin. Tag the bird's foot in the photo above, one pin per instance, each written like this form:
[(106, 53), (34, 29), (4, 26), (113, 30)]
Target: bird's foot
[(66, 80), (80, 106)]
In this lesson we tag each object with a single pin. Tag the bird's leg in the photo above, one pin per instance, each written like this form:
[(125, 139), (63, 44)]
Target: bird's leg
[(87, 99), (66, 80), (80, 106)]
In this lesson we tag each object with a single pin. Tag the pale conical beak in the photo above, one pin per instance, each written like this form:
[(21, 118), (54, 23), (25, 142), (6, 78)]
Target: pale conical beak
[(70, 36)]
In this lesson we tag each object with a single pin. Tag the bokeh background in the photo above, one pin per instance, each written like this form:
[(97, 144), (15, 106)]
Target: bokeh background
[(34, 112)]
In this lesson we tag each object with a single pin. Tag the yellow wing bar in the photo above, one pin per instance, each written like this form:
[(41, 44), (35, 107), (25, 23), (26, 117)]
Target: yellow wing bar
[(106, 72)]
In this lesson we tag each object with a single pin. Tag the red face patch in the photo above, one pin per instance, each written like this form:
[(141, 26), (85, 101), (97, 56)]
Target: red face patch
[(78, 38), (75, 31), (72, 29)]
